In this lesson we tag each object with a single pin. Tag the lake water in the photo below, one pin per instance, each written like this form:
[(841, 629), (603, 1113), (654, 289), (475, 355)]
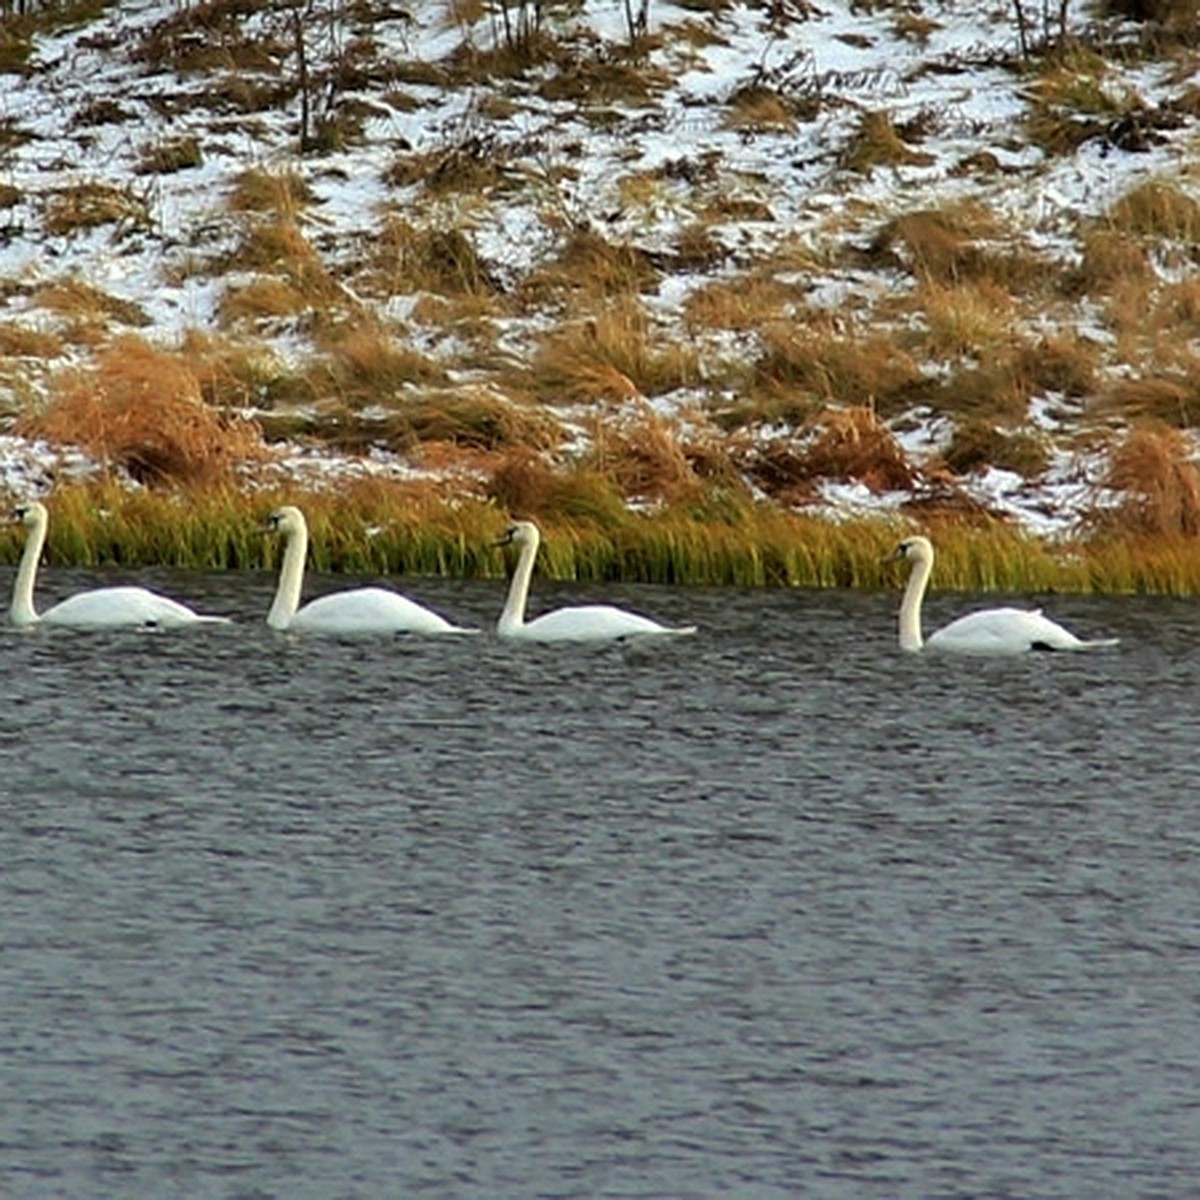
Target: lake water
[(774, 911)]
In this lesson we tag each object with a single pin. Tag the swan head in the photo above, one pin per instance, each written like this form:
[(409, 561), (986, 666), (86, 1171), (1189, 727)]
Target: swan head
[(29, 514), (913, 549), (286, 520), (520, 533)]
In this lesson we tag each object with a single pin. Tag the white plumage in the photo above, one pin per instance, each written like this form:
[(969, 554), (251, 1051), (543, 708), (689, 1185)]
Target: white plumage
[(582, 623), (989, 631), (361, 610), (103, 608)]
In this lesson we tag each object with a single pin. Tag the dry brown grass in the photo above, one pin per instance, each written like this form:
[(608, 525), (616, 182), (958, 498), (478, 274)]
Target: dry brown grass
[(847, 444), (84, 206), (1159, 209), (615, 355), (1156, 466), (170, 155), (965, 318), (645, 457), (742, 303), (19, 341), (241, 374), (408, 258), (476, 164), (1110, 259), (523, 484), (272, 245), (365, 365), (263, 299), (999, 387), (978, 444), (284, 192), (1167, 399), (762, 109), (590, 268), (75, 300), (835, 367), (875, 143), (958, 243), (140, 410), (1075, 99)]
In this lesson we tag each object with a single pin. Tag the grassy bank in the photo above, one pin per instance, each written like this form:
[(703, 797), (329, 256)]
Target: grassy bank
[(372, 529)]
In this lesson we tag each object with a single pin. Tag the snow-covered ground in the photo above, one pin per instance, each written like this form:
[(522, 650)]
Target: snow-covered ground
[(952, 75)]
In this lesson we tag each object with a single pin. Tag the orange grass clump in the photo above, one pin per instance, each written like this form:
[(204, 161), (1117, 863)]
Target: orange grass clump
[(1156, 468), (140, 410)]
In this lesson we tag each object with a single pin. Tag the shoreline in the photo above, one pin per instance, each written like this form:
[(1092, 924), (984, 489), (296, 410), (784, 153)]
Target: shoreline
[(371, 529)]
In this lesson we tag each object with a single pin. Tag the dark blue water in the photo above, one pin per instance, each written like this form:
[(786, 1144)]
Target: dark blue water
[(774, 911)]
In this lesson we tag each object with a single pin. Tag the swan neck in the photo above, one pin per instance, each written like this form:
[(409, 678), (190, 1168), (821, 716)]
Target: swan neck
[(22, 611), (291, 580), (513, 616), (910, 606)]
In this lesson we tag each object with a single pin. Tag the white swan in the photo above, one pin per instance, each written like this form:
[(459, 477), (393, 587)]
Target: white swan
[(585, 623), (104, 608), (989, 631), (363, 610)]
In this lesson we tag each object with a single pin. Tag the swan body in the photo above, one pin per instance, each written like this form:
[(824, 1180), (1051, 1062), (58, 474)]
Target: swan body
[(103, 608), (362, 610), (582, 623), (989, 631)]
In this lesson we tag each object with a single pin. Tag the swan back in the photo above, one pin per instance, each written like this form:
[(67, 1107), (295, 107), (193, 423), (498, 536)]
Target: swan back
[(122, 607), (369, 610)]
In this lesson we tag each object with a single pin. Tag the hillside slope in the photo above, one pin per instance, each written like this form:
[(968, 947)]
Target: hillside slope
[(852, 257)]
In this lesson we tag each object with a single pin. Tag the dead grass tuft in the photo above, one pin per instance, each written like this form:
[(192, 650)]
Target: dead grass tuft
[(365, 366), (955, 244), (525, 485), (965, 318), (408, 258), (18, 341), (742, 303), (74, 300), (1156, 467), (838, 368), (875, 143), (1172, 400), (592, 267), (262, 299), (978, 444), (644, 456), (849, 444), (1157, 209), (285, 193), (84, 206), (616, 355), (140, 411)]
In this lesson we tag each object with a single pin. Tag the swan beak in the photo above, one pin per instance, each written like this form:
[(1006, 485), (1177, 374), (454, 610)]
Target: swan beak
[(506, 540), (895, 556)]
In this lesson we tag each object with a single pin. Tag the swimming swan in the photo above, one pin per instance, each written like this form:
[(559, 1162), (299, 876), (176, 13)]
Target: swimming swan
[(362, 610), (585, 623), (989, 631), (104, 608)]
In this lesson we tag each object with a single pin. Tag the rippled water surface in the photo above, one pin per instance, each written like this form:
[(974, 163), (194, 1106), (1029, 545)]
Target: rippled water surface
[(774, 911)]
